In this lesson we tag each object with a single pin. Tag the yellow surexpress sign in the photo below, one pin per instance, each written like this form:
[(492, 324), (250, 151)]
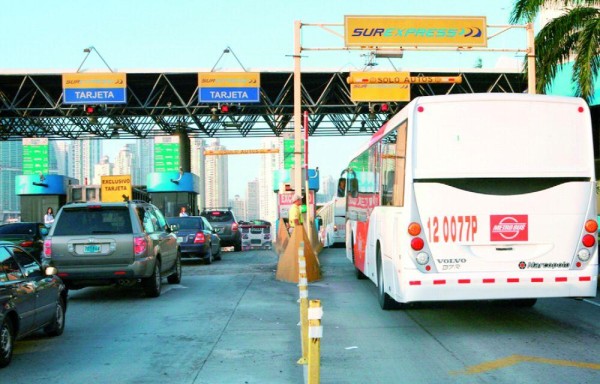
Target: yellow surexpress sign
[(115, 188), (229, 79), (415, 31), (94, 80)]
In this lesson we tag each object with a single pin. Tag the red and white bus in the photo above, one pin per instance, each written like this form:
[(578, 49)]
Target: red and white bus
[(476, 197)]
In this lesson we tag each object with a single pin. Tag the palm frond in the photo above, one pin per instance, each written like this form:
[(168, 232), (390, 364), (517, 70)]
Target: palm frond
[(527, 10), (587, 62)]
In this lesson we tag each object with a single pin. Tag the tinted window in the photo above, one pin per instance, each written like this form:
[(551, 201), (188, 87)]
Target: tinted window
[(105, 220), (218, 216), (206, 224), (150, 221), (19, 228), (27, 262), (9, 266), (187, 222)]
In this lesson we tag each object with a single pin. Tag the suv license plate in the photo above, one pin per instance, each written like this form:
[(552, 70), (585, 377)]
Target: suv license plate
[(93, 248)]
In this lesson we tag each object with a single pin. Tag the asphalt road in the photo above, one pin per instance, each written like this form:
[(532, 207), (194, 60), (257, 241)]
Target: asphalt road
[(232, 322)]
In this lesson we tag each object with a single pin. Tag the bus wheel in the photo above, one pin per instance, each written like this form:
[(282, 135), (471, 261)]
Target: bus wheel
[(385, 301)]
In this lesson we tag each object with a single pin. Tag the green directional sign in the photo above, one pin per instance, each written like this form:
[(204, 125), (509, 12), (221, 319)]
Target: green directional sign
[(166, 154), (35, 156), (288, 152)]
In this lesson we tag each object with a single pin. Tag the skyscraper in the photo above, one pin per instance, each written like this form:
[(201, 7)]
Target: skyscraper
[(11, 160), (253, 200), (270, 162), (238, 206), (142, 161), (84, 155), (197, 160), (124, 160), (103, 168), (216, 178)]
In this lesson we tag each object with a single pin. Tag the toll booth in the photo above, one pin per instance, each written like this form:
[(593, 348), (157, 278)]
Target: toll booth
[(170, 191), (37, 193), (283, 182)]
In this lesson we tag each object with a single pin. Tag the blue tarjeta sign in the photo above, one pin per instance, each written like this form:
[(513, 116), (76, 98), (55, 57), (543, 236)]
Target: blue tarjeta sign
[(229, 87), (95, 96), (229, 95), (95, 88)]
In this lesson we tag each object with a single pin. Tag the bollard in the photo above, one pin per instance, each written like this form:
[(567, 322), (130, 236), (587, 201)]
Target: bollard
[(303, 291), (315, 333)]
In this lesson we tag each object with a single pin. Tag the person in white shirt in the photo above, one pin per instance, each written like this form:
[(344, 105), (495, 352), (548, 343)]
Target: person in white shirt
[(49, 217)]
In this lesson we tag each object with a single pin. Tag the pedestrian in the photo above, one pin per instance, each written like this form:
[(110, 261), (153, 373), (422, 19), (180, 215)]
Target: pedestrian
[(295, 216), (49, 217), (183, 212)]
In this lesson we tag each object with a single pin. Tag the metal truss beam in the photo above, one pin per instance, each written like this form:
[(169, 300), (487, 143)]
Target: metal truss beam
[(165, 103)]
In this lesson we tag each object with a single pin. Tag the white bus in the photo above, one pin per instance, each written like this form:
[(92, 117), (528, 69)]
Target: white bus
[(476, 197), (332, 229)]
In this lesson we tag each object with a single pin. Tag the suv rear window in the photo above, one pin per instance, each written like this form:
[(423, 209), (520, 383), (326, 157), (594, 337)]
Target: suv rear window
[(218, 216), (86, 221)]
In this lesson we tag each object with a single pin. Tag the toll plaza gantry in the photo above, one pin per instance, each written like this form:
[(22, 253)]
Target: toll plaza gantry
[(163, 103)]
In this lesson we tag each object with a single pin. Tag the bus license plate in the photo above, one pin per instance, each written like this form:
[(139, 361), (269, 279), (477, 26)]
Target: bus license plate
[(91, 248)]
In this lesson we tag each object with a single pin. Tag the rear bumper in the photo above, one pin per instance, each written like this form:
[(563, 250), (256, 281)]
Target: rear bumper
[(141, 268), (440, 287), (194, 250)]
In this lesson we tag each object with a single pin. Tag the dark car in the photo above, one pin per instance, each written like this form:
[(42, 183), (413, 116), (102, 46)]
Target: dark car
[(123, 243), (196, 237), (224, 222), (29, 235), (31, 298)]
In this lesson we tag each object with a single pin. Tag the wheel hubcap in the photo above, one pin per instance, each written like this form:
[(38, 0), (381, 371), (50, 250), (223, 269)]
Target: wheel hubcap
[(5, 341)]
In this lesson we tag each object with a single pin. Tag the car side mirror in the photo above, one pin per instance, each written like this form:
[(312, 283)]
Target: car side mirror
[(51, 271)]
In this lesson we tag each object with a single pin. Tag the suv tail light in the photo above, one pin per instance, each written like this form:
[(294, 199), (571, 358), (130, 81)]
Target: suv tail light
[(140, 244), (47, 248), (234, 227), (199, 238)]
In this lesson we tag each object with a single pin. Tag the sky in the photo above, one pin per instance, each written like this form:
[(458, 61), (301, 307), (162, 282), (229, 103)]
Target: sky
[(190, 35)]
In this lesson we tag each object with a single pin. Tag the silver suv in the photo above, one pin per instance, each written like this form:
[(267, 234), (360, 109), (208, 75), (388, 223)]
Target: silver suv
[(105, 243)]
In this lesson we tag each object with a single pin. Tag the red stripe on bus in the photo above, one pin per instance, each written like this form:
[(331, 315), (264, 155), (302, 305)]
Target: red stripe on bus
[(464, 281), (438, 282), (537, 279), (415, 283), (560, 279), (489, 281), (585, 278), (512, 280)]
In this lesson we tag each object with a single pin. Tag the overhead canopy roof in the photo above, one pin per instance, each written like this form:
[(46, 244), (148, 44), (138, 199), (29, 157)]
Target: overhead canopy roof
[(162, 103)]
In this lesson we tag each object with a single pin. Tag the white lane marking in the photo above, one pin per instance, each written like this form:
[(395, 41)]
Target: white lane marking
[(591, 302)]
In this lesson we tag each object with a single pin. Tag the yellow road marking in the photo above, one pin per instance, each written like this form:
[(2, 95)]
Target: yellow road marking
[(515, 359)]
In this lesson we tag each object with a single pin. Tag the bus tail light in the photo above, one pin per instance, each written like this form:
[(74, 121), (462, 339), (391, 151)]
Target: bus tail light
[(422, 258), (417, 243), (591, 226), (414, 229), (583, 254), (588, 240)]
